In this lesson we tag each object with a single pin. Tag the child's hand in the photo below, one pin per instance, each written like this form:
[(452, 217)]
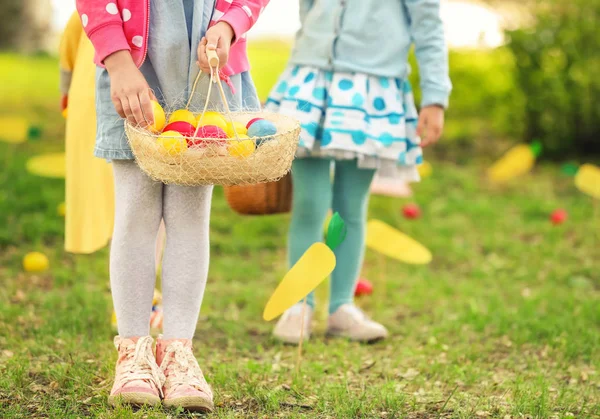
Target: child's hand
[(431, 124), (129, 90), (218, 37)]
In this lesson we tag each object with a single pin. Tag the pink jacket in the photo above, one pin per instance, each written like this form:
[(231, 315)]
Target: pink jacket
[(123, 25)]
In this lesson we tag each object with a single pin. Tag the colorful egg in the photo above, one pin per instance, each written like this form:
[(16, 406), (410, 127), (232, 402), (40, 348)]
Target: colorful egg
[(241, 149), (159, 117), (252, 121), (35, 262), (184, 128), (183, 115), (239, 128), (172, 143), (208, 131), (262, 128), (212, 118)]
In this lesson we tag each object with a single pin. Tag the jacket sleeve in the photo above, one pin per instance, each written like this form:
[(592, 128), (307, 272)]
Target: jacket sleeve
[(243, 14), (427, 32), (103, 25), (69, 42)]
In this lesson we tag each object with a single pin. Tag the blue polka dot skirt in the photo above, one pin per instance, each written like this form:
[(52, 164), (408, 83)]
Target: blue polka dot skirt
[(352, 116)]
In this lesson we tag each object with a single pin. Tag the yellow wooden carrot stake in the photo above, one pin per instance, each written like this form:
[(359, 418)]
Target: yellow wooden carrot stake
[(390, 242)]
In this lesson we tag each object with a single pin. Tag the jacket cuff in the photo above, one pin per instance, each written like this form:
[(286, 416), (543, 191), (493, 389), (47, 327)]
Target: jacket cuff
[(239, 19), (107, 40), (435, 97)]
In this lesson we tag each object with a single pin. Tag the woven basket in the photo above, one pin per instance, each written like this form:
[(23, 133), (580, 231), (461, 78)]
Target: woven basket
[(211, 162), (261, 199)]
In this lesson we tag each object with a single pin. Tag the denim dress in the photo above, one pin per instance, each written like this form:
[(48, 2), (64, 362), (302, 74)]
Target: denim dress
[(176, 28)]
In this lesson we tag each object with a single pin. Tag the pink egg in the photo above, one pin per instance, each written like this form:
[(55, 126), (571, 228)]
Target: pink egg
[(207, 131)]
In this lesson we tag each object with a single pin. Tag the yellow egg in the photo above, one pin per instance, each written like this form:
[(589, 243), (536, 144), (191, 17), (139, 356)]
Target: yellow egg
[(172, 143), (35, 262), (212, 118), (183, 115), (425, 169), (239, 128), (241, 149), (159, 117), (61, 209)]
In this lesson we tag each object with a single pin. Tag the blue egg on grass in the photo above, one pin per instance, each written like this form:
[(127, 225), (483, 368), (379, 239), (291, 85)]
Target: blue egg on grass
[(262, 128)]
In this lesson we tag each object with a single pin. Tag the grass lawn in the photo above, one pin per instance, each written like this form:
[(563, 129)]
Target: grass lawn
[(504, 323)]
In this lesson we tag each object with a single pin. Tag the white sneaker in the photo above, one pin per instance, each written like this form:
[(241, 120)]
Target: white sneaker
[(288, 327), (350, 322)]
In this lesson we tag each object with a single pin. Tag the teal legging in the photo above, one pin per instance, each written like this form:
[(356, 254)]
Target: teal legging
[(314, 195)]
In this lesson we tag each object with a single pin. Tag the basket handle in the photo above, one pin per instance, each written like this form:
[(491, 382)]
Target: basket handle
[(213, 62)]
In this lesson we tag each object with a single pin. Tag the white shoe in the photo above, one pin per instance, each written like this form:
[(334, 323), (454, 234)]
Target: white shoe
[(350, 322), (288, 327)]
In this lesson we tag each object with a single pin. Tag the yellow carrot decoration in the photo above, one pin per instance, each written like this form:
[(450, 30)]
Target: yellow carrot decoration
[(315, 265), (390, 242), (587, 180), (516, 162), (51, 165)]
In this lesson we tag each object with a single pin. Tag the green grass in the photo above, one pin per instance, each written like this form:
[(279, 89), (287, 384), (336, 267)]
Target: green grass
[(505, 321)]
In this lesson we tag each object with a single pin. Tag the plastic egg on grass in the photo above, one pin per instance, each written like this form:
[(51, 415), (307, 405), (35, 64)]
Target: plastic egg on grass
[(252, 121), (205, 133), (184, 128), (242, 148), (212, 118), (159, 117), (240, 129), (171, 143), (183, 115), (35, 262)]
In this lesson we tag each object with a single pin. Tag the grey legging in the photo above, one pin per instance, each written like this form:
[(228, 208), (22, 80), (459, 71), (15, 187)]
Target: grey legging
[(140, 204)]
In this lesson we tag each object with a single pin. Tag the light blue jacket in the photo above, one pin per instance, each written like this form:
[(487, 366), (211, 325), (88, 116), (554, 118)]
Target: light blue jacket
[(374, 37)]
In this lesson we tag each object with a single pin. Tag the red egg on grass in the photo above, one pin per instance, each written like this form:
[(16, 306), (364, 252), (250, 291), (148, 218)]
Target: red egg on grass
[(558, 216), (411, 211), (184, 128), (208, 131), (363, 287)]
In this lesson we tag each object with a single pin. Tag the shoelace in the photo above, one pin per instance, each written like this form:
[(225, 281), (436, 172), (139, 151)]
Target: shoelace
[(183, 368), (142, 365)]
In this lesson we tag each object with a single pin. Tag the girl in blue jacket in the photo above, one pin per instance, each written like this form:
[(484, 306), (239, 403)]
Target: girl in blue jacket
[(347, 84)]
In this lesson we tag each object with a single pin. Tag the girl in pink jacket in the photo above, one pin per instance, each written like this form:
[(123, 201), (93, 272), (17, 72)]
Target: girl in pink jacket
[(146, 49)]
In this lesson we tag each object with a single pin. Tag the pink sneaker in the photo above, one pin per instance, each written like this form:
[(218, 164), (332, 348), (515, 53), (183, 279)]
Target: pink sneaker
[(138, 379), (184, 385)]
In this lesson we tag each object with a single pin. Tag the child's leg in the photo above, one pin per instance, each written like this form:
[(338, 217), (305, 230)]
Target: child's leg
[(138, 210), (186, 255), (310, 203), (350, 199)]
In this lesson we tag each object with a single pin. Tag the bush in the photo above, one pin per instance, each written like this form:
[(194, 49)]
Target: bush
[(555, 60), (485, 104), (11, 27)]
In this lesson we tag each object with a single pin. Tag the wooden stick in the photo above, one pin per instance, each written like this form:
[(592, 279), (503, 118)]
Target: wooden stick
[(304, 304)]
